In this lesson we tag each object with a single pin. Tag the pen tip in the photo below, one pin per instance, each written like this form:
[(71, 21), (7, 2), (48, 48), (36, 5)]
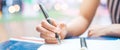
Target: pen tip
[(84, 48)]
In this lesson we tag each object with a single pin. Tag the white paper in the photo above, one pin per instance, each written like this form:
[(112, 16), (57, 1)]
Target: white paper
[(68, 44), (74, 44), (103, 44)]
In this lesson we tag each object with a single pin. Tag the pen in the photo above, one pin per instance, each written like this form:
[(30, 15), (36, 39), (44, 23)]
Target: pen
[(83, 43), (48, 20)]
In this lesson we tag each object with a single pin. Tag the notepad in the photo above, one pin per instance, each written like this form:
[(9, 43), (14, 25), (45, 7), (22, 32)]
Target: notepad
[(74, 44), (103, 44)]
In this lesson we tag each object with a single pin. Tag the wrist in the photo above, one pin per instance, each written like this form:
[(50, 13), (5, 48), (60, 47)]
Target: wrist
[(68, 36), (108, 31)]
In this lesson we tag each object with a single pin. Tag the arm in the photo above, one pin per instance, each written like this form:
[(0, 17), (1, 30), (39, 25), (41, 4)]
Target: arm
[(81, 23), (111, 30), (74, 28)]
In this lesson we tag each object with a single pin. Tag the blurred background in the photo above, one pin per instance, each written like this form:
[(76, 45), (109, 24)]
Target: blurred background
[(20, 17)]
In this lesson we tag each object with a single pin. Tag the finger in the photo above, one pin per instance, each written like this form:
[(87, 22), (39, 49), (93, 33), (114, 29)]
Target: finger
[(48, 26), (44, 31), (54, 23), (42, 35), (90, 33), (62, 30), (51, 41)]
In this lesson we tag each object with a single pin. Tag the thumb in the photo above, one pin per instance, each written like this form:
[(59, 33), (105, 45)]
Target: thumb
[(54, 23)]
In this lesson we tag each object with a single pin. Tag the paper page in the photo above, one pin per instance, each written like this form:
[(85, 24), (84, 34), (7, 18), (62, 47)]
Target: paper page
[(74, 44), (103, 44), (68, 44)]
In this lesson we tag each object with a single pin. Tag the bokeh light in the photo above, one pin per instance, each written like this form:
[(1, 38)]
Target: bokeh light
[(14, 8), (17, 8), (57, 6), (36, 7), (11, 9)]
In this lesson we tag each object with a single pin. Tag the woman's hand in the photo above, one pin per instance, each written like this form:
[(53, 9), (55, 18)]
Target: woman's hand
[(47, 31), (97, 31)]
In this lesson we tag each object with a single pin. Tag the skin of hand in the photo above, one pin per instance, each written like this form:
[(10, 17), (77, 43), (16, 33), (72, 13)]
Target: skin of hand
[(111, 30), (97, 31), (47, 31), (76, 26)]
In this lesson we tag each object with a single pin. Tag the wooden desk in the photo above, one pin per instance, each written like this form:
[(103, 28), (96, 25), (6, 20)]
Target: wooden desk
[(3, 35)]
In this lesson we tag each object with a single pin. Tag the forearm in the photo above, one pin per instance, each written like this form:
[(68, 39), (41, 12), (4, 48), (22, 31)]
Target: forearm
[(87, 11), (113, 30), (77, 26)]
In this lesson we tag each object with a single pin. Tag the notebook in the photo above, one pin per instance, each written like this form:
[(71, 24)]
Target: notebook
[(74, 44), (22, 43), (31, 43)]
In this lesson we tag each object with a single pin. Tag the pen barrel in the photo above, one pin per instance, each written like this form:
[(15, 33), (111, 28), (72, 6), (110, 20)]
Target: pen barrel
[(83, 42), (56, 35), (48, 20)]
